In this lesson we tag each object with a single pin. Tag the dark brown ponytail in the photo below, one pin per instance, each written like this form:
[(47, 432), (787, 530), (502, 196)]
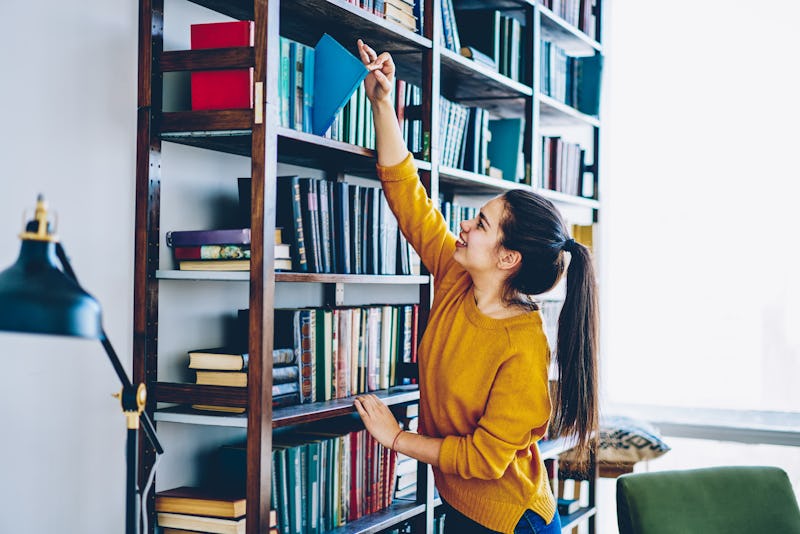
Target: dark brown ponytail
[(533, 226), (575, 412)]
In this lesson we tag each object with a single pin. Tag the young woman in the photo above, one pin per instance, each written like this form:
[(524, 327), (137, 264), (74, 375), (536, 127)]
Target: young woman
[(483, 360)]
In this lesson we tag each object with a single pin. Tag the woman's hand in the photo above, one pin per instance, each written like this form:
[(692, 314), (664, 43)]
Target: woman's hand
[(380, 80), (378, 419)]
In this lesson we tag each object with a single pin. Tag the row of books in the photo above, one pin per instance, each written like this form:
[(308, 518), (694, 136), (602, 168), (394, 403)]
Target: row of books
[(562, 166), (579, 13), (575, 81), (490, 37), (354, 124), (347, 350), (405, 486), (475, 142), (471, 140), (341, 227), (324, 481)]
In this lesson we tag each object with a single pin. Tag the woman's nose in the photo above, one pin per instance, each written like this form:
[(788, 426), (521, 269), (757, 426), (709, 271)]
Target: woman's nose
[(465, 226)]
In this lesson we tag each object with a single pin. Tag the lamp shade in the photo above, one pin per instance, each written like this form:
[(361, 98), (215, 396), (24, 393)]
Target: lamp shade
[(37, 297)]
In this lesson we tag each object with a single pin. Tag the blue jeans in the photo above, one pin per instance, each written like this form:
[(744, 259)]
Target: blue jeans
[(530, 523)]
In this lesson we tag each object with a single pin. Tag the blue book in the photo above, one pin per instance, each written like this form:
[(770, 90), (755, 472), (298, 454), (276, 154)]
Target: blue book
[(505, 148), (340, 73)]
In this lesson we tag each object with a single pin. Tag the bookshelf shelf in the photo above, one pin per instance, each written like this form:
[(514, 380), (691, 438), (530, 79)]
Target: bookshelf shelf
[(460, 179), (229, 131), (287, 277), (571, 520), (567, 36), (555, 113), (187, 394), (563, 198), (398, 512)]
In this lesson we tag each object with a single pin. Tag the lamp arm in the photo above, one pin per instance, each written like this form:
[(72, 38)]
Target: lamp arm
[(129, 394)]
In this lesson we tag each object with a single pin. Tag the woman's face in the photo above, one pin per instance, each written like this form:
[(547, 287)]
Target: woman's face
[(477, 247)]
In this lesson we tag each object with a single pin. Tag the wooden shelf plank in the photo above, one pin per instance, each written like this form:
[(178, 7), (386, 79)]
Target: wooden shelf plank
[(186, 394), (195, 394), (216, 58), (286, 277), (202, 123), (565, 35)]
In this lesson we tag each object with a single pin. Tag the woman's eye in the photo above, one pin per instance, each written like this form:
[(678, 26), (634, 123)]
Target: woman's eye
[(480, 224)]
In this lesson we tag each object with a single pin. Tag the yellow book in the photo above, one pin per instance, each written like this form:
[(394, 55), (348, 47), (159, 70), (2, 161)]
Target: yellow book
[(222, 378), (201, 501)]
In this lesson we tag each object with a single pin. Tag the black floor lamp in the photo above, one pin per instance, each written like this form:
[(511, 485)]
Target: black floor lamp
[(38, 297)]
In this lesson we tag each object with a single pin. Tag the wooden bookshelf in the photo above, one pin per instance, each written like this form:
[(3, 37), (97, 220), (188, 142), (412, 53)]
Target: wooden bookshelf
[(421, 60)]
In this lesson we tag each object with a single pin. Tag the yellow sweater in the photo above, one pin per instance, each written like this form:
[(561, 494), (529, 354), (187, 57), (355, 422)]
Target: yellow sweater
[(483, 381)]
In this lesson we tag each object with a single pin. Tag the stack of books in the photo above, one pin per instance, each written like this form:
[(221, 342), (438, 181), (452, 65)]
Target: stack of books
[(406, 468), (228, 367), (401, 12), (197, 509), (221, 250)]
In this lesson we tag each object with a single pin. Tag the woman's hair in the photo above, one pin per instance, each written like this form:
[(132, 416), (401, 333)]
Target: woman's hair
[(532, 226)]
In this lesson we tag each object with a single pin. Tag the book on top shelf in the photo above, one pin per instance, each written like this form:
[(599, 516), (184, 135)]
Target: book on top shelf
[(222, 89), (205, 501)]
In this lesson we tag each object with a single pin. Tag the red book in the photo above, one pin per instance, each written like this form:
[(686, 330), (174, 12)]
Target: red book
[(222, 89)]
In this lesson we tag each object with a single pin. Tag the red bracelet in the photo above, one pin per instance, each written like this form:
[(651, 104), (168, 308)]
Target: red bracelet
[(394, 441)]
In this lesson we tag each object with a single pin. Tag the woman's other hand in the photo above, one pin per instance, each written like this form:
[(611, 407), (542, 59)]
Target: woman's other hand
[(380, 80), (378, 419)]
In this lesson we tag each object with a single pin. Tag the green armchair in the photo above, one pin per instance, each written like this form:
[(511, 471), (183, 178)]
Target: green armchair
[(713, 500)]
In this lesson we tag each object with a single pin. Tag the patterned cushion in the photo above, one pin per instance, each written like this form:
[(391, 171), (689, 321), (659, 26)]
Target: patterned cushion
[(628, 440)]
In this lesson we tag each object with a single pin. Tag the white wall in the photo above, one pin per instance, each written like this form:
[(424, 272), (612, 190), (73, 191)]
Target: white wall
[(68, 98), (701, 184)]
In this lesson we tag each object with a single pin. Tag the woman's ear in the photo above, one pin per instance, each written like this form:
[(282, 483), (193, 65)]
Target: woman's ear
[(509, 259)]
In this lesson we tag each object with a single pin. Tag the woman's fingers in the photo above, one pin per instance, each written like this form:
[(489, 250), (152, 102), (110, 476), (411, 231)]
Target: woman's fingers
[(365, 59)]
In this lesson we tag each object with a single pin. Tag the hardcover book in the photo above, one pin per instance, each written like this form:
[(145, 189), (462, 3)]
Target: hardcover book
[(194, 238), (340, 73), (222, 89), (201, 501)]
